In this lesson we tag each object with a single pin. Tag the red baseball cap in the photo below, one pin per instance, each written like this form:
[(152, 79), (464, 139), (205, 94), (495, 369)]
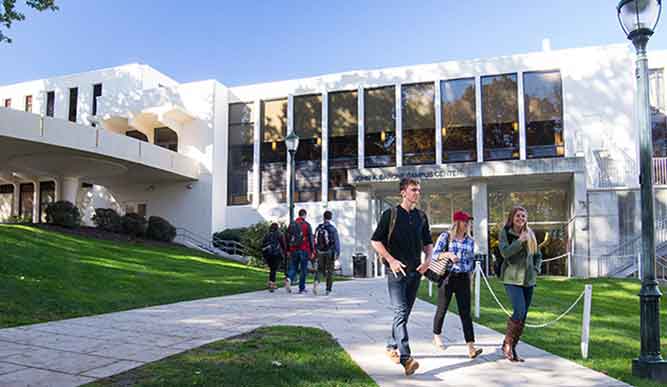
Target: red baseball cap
[(462, 216)]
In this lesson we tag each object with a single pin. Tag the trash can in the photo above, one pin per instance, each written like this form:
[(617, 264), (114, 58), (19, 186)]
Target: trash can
[(359, 265)]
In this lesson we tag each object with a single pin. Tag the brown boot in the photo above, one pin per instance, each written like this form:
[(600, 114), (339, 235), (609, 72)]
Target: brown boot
[(517, 335), (509, 340)]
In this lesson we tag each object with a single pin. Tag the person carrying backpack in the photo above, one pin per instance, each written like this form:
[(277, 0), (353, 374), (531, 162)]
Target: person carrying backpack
[(327, 248), (273, 252), (301, 249)]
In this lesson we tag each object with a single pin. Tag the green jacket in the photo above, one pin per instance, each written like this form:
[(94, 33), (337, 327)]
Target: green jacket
[(519, 267)]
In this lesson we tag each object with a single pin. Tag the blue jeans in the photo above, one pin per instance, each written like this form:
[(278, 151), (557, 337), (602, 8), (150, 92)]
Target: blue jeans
[(402, 294), (520, 296), (299, 261)]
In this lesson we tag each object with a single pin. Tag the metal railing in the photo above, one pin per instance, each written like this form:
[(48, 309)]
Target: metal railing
[(214, 246), (660, 170), (624, 258)]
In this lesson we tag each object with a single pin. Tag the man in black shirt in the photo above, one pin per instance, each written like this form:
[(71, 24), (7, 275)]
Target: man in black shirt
[(400, 237)]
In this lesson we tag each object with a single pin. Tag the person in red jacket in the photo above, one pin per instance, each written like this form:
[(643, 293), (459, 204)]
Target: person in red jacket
[(301, 249)]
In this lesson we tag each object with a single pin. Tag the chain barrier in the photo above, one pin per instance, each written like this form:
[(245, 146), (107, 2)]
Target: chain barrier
[(555, 258), (530, 325)]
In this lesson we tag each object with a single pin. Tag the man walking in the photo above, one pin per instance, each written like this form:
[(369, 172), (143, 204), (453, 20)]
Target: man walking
[(401, 235), (301, 249), (327, 247)]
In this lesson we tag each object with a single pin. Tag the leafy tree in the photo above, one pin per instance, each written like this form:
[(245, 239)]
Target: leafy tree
[(9, 14)]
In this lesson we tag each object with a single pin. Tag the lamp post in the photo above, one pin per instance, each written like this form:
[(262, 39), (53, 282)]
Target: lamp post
[(638, 19), (292, 142)]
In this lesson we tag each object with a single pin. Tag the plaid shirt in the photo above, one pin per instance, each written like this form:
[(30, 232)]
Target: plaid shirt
[(464, 249)]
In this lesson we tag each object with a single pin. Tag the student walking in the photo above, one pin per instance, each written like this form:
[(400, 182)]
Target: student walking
[(458, 246), (522, 262), (273, 251), (301, 250), (402, 234), (327, 247)]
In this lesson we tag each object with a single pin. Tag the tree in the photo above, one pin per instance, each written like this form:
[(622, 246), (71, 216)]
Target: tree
[(9, 14)]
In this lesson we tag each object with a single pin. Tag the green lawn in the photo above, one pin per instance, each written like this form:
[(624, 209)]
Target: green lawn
[(306, 357), (614, 323), (49, 276)]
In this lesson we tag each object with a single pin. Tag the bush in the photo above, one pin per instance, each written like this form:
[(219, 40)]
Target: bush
[(133, 224), (107, 219), (160, 229), (63, 213), (230, 234), (15, 219), (251, 237)]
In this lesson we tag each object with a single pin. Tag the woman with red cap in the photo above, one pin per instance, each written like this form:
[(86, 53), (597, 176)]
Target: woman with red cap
[(457, 246)]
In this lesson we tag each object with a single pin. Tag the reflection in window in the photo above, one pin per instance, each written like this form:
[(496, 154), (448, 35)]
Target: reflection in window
[(658, 115), (166, 138), (418, 121), (47, 194), (240, 156), (543, 99), (343, 144), (500, 117), (459, 123), (28, 103), (137, 134), (26, 200), (50, 103), (441, 206), (308, 167), (6, 200), (380, 127), (273, 158), (73, 100)]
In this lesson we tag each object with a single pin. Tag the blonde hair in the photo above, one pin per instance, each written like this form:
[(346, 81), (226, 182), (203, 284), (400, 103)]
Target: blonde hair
[(454, 230), (532, 241)]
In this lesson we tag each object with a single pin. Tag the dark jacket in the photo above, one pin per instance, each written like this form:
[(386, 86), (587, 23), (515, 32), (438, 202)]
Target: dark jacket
[(519, 267)]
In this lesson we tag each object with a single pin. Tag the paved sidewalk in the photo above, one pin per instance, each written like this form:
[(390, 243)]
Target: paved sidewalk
[(77, 351)]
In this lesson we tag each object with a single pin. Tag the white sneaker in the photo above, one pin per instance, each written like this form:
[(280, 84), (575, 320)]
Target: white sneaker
[(288, 287)]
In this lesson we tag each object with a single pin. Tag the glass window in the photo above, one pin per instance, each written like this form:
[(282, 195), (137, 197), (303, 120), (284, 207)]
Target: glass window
[(240, 156), (343, 143), (26, 200), (47, 194), (28, 103), (658, 115), (97, 92), (459, 122), (50, 103), (73, 99), (308, 126), (543, 101), (166, 138), (380, 127), (418, 121), (6, 200), (273, 158), (500, 117), (8, 102), (137, 134)]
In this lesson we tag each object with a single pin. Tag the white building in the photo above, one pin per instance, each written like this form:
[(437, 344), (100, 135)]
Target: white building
[(551, 130)]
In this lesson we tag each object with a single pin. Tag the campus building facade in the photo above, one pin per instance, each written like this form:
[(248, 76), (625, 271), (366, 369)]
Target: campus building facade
[(552, 130)]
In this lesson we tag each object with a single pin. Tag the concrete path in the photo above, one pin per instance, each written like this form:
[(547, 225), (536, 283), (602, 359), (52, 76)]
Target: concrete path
[(77, 351)]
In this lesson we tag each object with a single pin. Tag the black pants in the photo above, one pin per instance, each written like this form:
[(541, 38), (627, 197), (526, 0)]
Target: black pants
[(273, 262), (459, 284), (325, 267)]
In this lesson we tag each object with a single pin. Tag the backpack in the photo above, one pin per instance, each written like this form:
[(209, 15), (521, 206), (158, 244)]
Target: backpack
[(271, 245), (295, 237), (324, 241)]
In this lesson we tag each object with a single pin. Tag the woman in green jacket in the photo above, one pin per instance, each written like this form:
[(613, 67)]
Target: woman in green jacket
[(522, 262)]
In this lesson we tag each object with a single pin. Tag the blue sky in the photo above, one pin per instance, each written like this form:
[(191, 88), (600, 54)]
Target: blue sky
[(244, 42)]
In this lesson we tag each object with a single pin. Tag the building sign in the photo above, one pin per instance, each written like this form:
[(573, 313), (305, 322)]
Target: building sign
[(396, 174)]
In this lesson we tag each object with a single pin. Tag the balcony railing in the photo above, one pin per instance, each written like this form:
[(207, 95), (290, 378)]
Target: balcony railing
[(660, 170)]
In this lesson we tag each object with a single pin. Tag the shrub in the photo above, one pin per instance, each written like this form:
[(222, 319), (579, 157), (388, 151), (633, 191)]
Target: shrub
[(15, 219), (160, 229), (230, 234), (63, 213), (133, 224), (107, 219)]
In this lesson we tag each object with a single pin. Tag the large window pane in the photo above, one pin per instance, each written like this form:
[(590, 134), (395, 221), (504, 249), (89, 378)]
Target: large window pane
[(380, 127), (343, 143), (308, 126), (543, 98), (658, 115), (500, 117), (26, 200), (418, 120), (6, 200), (47, 194), (459, 123), (273, 157), (240, 157), (166, 137)]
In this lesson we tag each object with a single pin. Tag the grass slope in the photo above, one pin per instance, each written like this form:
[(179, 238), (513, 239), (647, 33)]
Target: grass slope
[(307, 357), (48, 276), (614, 339)]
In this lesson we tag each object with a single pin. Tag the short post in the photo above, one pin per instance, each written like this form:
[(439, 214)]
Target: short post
[(586, 321), (569, 265), (639, 266), (430, 289), (478, 270)]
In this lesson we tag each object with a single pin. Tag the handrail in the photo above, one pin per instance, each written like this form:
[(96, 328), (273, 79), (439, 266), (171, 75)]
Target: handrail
[(229, 247)]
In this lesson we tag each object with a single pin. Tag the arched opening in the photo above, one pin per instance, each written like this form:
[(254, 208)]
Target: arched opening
[(137, 134), (166, 138)]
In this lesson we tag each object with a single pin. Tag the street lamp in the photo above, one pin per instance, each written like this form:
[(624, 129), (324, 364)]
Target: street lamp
[(638, 19), (292, 142)]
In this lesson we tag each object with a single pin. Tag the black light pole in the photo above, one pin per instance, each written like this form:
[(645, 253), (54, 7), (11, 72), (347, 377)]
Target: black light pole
[(638, 19), (292, 143)]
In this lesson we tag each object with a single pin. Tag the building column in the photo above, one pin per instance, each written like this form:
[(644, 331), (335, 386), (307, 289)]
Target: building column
[(398, 120), (15, 199), (257, 154), (324, 170), (288, 174), (522, 117), (480, 213), (70, 189), (35, 202), (363, 227), (360, 127), (579, 229), (478, 119), (438, 123)]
